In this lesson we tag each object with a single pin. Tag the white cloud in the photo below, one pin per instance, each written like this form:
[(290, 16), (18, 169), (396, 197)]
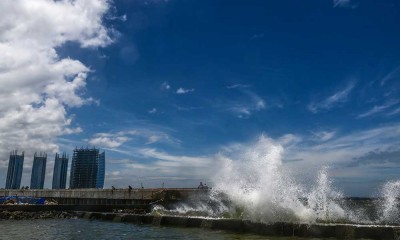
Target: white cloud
[(391, 75), (173, 159), (153, 111), (339, 150), (394, 112), (378, 108), (141, 136), (303, 157), (341, 3), (153, 139), (324, 135), (237, 86), (244, 109), (165, 86), (184, 91), (37, 84), (157, 167), (108, 140), (330, 102), (289, 139)]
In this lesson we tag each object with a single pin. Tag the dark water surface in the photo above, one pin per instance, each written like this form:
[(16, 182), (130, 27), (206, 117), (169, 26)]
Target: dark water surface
[(85, 229)]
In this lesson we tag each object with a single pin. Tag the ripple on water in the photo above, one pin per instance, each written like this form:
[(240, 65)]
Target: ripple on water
[(85, 229)]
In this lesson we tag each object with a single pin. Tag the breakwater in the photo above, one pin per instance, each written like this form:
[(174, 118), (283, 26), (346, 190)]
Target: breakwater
[(339, 231), (109, 196), (24, 215)]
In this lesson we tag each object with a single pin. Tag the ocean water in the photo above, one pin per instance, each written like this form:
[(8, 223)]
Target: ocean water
[(86, 229)]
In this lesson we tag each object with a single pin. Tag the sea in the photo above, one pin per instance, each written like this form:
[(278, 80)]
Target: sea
[(44, 229)]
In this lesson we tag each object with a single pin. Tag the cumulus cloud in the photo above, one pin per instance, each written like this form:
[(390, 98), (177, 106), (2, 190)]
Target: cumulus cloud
[(184, 91), (340, 96), (37, 84)]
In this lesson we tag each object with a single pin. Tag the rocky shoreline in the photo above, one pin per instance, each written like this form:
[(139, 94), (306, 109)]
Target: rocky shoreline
[(21, 215)]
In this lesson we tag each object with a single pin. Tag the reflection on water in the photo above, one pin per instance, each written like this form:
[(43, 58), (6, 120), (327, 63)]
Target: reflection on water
[(85, 229)]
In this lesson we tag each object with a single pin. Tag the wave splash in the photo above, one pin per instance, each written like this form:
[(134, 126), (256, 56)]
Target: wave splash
[(255, 186), (259, 184)]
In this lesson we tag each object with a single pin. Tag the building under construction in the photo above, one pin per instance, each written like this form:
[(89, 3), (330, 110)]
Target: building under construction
[(14, 172), (38, 170), (87, 168), (60, 171)]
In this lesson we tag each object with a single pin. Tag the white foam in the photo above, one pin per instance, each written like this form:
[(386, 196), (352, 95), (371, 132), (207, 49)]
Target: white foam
[(254, 185)]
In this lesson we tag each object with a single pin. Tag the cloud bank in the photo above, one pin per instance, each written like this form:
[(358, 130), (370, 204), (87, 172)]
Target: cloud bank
[(38, 86)]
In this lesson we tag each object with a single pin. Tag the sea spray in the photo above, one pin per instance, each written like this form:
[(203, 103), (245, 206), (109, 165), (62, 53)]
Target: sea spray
[(210, 204), (389, 204), (253, 184), (324, 200), (255, 180)]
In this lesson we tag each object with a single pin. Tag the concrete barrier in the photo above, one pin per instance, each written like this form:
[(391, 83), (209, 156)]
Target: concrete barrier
[(135, 219), (175, 221), (117, 196), (118, 218), (138, 208), (338, 231)]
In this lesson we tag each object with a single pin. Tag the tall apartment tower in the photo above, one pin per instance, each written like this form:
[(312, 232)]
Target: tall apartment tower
[(14, 172), (87, 168), (38, 170), (60, 171), (101, 170)]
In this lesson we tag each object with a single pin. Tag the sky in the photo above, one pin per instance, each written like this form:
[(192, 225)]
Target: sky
[(167, 87)]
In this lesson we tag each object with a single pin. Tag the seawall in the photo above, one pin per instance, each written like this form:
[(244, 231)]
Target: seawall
[(109, 196), (338, 231)]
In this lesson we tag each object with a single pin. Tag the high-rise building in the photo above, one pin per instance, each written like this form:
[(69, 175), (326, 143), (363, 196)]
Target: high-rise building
[(87, 168), (14, 172), (60, 171), (38, 170), (101, 170)]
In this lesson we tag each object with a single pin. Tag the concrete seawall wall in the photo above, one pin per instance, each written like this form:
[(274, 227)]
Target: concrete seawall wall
[(108, 196), (144, 208), (339, 231)]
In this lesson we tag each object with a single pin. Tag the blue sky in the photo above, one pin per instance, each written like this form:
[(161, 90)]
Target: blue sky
[(166, 86)]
